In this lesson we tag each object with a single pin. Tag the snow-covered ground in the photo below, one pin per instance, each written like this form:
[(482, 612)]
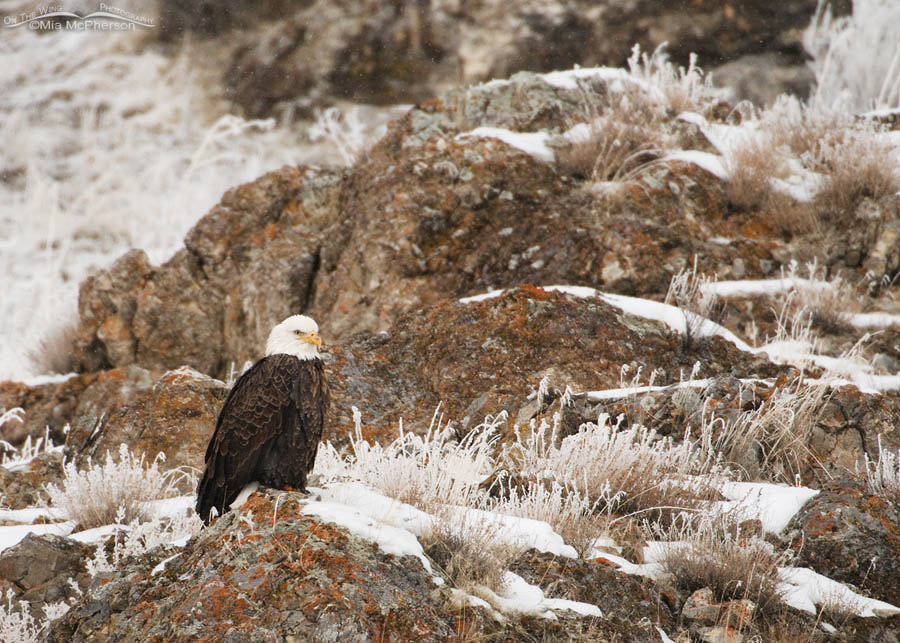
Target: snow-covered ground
[(397, 527)]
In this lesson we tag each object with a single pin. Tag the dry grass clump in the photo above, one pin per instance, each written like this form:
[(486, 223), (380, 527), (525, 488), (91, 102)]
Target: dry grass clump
[(54, 352), (114, 492), (568, 511), (714, 553), (138, 538), (828, 307), (469, 550), (769, 441), (685, 90), (797, 127), (858, 164), (428, 472), (617, 141), (852, 156), (816, 301), (751, 166)]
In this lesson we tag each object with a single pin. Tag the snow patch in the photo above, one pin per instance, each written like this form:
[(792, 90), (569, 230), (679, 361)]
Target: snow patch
[(712, 163), (533, 143), (12, 535), (390, 539), (29, 515), (803, 589), (517, 596), (774, 505)]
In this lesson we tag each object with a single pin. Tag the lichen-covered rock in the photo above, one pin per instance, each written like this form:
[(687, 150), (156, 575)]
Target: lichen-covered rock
[(106, 306), (48, 408), (426, 217), (246, 265), (172, 413), (24, 486), (626, 601), (486, 356), (267, 573), (852, 536), (851, 427), (111, 411)]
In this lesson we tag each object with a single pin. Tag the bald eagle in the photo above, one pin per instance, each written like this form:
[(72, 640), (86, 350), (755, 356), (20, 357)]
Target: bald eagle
[(269, 428)]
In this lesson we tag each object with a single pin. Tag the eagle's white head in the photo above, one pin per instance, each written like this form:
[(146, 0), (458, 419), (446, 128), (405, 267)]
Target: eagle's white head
[(298, 335)]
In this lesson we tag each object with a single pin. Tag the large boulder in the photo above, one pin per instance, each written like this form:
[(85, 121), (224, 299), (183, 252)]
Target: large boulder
[(171, 413)]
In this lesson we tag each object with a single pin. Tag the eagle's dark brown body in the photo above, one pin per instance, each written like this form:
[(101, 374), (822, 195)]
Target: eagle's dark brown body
[(268, 431)]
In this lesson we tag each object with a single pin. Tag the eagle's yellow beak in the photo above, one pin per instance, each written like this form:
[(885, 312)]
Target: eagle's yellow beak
[(311, 338)]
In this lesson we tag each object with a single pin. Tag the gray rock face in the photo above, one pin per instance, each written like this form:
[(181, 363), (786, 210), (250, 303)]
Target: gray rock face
[(40, 568)]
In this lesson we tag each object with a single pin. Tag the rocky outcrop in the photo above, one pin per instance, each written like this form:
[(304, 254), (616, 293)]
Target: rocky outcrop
[(386, 255), (424, 217), (272, 571), (482, 357)]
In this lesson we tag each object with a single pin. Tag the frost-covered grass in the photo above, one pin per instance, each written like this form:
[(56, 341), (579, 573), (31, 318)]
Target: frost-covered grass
[(127, 501), (113, 492), (138, 537), (684, 89), (348, 131), (770, 440), (690, 290), (618, 469), (804, 166), (427, 471), (883, 474), (16, 623), (856, 58)]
